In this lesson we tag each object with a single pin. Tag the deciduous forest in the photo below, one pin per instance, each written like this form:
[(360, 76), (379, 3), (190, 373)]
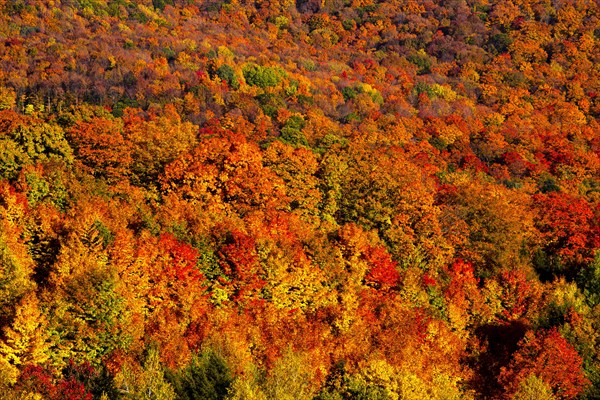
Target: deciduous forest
[(310, 199)]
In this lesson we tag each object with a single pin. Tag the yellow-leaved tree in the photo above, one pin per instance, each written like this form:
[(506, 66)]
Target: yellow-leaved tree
[(26, 341)]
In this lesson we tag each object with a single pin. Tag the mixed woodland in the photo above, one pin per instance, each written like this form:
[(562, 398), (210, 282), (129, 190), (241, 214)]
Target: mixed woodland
[(309, 199)]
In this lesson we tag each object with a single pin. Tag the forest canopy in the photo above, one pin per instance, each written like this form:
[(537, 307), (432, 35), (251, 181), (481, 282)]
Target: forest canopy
[(322, 200)]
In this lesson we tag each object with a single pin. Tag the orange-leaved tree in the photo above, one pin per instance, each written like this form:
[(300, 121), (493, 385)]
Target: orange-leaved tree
[(548, 356)]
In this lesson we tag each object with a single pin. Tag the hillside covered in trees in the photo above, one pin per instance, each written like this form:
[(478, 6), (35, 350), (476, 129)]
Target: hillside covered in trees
[(320, 199)]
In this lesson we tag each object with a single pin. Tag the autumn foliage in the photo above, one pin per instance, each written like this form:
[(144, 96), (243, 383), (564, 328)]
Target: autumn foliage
[(299, 200)]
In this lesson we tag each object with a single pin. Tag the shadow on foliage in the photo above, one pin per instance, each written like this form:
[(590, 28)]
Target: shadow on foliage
[(498, 343)]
